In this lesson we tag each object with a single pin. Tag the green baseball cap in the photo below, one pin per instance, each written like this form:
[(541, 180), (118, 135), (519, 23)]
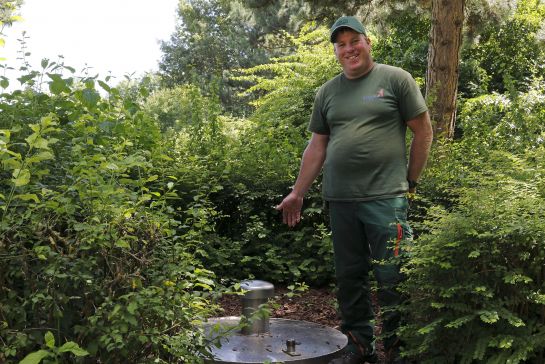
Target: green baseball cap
[(346, 22)]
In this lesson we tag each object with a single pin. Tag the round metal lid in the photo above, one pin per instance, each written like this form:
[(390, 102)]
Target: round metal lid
[(288, 341), (257, 289)]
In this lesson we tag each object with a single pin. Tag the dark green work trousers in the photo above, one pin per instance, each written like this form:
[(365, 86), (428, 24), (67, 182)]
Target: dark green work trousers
[(368, 236)]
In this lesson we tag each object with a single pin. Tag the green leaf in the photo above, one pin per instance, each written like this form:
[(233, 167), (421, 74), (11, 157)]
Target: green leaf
[(90, 97), (73, 348), (122, 244), (36, 141), (42, 156), (144, 91), (506, 343), (35, 357), (4, 82), (114, 311), (131, 319), (57, 85), (12, 163), (459, 321), (131, 308), (104, 85), (489, 317), (47, 121), (21, 177), (49, 340), (28, 197), (26, 78)]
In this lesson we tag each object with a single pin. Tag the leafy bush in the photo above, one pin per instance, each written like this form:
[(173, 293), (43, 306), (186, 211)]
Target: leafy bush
[(92, 246), (476, 276), (511, 123), (180, 108)]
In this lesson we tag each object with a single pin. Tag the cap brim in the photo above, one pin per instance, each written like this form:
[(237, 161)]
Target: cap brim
[(336, 30)]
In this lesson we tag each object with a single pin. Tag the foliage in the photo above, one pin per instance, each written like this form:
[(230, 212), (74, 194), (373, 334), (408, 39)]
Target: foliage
[(185, 109), (209, 40), (262, 162), (476, 275), (403, 41), (286, 86), (507, 55), (291, 15), (476, 272), (8, 10), (511, 123), (119, 205), (53, 351), (8, 15), (92, 246)]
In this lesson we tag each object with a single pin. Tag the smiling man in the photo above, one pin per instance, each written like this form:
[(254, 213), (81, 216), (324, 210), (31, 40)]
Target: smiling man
[(358, 126)]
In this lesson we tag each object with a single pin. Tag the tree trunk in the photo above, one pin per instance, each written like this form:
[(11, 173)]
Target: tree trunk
[(443, 64)]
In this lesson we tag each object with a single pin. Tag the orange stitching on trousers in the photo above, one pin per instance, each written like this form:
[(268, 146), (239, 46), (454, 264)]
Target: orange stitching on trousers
[(398, 241), (360, 347)]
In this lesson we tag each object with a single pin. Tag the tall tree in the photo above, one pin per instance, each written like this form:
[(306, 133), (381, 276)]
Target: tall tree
[(209, 41), (443, 64)]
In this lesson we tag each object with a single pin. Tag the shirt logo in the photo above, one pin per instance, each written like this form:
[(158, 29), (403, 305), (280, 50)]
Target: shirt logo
[(378, 95)]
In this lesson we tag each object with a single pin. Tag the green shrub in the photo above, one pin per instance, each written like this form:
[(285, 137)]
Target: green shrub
[(92, 246), (476, 279)]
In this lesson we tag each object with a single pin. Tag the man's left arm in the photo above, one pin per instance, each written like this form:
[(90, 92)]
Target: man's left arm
[(420, 146)]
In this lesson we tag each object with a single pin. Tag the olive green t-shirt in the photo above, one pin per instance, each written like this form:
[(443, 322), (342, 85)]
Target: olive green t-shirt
[(365, 118)]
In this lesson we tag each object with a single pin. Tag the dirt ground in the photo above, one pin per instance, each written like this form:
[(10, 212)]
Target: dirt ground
[(315, 305)]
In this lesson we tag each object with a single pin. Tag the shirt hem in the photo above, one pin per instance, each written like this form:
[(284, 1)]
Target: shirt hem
[(359, 199)]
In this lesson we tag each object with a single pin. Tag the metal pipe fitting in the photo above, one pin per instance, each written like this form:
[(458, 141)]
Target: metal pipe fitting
[(257, 294)]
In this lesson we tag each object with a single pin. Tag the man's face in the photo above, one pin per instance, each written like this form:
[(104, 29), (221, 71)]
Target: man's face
[(353, 51)]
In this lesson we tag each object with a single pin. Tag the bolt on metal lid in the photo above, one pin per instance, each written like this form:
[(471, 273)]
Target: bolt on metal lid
[(257, 289)]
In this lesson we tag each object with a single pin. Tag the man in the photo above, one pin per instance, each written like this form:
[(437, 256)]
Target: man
[(358, 126)]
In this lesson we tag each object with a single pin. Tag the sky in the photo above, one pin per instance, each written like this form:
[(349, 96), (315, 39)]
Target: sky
[(112, 37)]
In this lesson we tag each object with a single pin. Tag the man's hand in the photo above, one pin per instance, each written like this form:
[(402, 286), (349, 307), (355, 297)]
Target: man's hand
[(311, 164), (291, 209)]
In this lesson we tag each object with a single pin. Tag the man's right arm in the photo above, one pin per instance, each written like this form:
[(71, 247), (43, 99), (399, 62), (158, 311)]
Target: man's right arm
[(311, 165)]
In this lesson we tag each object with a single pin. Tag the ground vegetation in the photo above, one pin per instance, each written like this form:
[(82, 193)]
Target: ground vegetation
[(128, 211)]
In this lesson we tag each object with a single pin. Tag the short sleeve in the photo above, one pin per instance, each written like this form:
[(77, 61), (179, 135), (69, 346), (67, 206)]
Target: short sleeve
[(318, 123), (411, 101)]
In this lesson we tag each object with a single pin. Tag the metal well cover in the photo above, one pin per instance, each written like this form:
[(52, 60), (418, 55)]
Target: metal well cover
[(315, 343)]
